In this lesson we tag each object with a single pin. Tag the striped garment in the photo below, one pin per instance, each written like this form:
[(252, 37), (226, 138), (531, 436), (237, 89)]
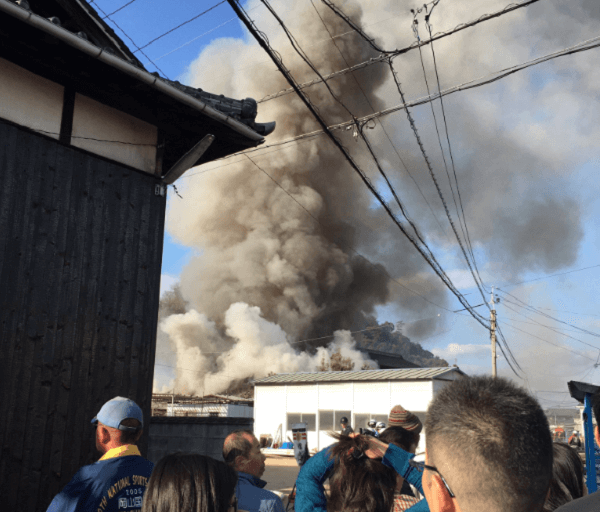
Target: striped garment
[(403, 502)]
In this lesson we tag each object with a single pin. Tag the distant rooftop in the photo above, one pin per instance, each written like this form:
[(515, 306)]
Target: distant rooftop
[(360, 375)]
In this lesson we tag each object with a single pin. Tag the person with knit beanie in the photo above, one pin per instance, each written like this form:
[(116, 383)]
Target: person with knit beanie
[(400, 417)]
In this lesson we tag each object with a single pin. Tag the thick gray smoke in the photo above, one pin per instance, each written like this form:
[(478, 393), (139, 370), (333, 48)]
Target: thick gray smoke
[(261, 253)]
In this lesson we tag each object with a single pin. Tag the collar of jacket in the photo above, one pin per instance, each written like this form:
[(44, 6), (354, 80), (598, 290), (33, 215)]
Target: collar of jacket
[(255, 481), (121, 451)]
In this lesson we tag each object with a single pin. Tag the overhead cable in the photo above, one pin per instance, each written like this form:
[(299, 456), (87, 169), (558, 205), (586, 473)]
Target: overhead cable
[(122, 7), (464, 220), (371, 42), (548, 277), (383, 57), (351, 249), (382, 126), (546, 315), (471, 84), (263, 41), (549, 342), (181, 25), (107, 16)]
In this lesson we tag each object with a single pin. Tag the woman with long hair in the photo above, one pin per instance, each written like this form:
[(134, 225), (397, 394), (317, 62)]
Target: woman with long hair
[(362, 484), (192, 483), (567, 477)]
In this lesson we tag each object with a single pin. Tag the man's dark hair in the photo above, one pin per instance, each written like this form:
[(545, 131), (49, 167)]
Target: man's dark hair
[(130, 436), (236, 444), (357, 483), (567, 477), (495, 439), (190, 482), (400, 437)]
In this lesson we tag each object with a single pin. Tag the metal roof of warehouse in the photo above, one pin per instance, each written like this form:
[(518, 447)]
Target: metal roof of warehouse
[(359, 375)]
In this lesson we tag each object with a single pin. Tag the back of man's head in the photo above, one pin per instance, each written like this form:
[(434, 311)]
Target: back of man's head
[(491, 441), (237, 443)]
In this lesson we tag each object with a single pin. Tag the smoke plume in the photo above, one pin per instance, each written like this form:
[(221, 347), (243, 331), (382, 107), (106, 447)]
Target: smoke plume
[(270, 272)]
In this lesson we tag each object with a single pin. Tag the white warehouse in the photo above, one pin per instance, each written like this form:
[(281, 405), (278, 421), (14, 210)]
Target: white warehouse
[(321, 398)]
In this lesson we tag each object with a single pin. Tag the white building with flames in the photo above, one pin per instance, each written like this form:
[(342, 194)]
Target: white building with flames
[(321, 399)]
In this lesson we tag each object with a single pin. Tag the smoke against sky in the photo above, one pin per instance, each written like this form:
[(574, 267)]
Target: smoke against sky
[(516, 144)]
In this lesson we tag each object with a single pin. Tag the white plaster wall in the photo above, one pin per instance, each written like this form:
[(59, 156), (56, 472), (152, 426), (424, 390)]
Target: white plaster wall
[(30, 100), (336, 396), (413, 396), (302, 398), (93, 120), (373, 397), (269, 409)]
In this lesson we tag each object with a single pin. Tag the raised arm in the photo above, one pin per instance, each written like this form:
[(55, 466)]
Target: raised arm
[(310, 493)]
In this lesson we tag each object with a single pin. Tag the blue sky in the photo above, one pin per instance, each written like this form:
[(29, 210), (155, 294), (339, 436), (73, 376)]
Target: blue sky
[(571, 297)]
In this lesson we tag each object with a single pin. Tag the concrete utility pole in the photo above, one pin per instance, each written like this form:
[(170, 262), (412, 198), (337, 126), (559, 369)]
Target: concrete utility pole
[(493, 332)]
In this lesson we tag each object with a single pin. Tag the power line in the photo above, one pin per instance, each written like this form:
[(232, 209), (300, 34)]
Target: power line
[(552, 275), (122, 7), (263, 41), (549, 342), (464, 220), (181, 25), (351, 249), (382, 126), (487, 79), (546, 315), (107, 16), (384, 57)]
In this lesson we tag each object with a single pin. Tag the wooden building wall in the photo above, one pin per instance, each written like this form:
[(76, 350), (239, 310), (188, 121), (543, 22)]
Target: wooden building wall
[(80, 259)]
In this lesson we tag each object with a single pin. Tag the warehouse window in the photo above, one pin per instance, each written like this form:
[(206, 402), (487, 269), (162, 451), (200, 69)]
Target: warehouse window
[(325, 420), (339, 415), (297, 417), (330, 420), (361, 420)]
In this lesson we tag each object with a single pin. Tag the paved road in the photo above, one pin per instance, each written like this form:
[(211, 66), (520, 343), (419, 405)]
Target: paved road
[(281, 473)]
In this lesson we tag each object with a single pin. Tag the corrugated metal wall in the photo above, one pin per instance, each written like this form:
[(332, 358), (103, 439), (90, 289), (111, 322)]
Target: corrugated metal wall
[(80, 257)]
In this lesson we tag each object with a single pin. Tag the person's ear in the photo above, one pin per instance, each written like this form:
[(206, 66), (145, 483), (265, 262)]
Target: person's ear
[(104, 434), (239, 462)]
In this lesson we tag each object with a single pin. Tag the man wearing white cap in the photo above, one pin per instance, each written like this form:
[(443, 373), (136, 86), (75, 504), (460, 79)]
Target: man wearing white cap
[(118, 480)]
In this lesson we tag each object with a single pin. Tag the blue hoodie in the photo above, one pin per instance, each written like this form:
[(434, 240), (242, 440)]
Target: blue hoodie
[(116, 483), (252, 497), (310, 496)]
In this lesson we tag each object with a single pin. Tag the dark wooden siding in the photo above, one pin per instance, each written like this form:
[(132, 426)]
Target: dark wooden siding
[(80, 256)]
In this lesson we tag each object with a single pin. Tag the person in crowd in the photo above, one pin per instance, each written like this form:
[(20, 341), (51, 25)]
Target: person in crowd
[(488, 448), (574, 439), (241, 451), (118, 480), (380, 427), (370, 430), (359, 483), (406, 495), (310, 494), (567, 477), (345, 427), (591, 502), (191, 482)]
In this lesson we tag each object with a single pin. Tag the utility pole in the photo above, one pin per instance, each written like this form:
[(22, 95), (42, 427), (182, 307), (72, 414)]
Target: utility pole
[(493, 332)]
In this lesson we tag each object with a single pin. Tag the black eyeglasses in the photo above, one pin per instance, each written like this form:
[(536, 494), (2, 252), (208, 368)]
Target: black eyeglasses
[(421, 466)]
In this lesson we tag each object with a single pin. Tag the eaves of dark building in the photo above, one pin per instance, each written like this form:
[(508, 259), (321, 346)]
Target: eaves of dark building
[(387, 360), (99, 65)]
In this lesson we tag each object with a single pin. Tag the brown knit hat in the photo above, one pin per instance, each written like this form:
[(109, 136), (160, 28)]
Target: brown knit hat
[(400, 417)]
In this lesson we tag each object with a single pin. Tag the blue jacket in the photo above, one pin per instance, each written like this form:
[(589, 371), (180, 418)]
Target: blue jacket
[(252, 497), (309, 485), (115, 484)]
